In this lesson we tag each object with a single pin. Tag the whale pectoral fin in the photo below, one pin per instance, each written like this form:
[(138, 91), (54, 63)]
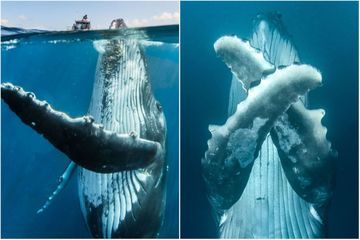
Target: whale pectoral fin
[(83, 141), (63, 181), (245, 62), (305, 153), (228, 161), (233, 146)]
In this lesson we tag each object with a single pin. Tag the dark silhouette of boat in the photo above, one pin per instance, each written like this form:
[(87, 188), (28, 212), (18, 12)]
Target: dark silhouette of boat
[(83, 24)]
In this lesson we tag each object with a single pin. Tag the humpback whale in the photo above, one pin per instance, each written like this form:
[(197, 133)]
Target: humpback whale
[(269, 168), (117, 149)]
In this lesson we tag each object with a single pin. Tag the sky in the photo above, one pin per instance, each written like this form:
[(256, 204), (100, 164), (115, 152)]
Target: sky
[(60, 15)]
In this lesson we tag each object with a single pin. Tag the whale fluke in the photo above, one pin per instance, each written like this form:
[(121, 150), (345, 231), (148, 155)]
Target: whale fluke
[(86, 143)]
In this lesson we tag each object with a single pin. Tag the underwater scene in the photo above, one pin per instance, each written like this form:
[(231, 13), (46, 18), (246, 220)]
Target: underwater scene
[(63, 69), (295, 173)]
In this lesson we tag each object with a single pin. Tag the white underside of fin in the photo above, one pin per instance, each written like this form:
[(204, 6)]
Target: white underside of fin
[(63, 181)]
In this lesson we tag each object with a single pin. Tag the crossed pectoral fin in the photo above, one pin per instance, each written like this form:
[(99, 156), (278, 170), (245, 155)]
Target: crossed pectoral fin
[(305, 153), (234, 145), (86, 143)]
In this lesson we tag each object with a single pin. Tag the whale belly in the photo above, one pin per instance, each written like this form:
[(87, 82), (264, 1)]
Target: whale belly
[(269, 207), (117, 204)]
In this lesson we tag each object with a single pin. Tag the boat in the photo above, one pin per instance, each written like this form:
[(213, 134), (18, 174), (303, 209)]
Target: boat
[(83, 24)]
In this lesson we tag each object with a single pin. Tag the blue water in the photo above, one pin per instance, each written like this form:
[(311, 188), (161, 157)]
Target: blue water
[(326, 35), (61, 68)]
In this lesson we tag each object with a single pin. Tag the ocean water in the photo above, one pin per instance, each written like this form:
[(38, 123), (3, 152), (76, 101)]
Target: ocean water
[(60, 68), (326, 36)]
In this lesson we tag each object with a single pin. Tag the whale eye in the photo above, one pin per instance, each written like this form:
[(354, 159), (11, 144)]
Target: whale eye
[(158, 106)]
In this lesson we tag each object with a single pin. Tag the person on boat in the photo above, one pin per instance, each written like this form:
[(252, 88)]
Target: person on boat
[(85, 18), (85, 23), (74, 27), (117, 24)]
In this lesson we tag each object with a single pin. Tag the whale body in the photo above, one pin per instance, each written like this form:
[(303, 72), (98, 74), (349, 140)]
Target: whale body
[(269, 169), (128, 203), (118, 149)]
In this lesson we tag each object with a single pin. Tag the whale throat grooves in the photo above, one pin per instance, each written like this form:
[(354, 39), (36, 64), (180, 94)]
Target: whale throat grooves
[(128, 203)]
